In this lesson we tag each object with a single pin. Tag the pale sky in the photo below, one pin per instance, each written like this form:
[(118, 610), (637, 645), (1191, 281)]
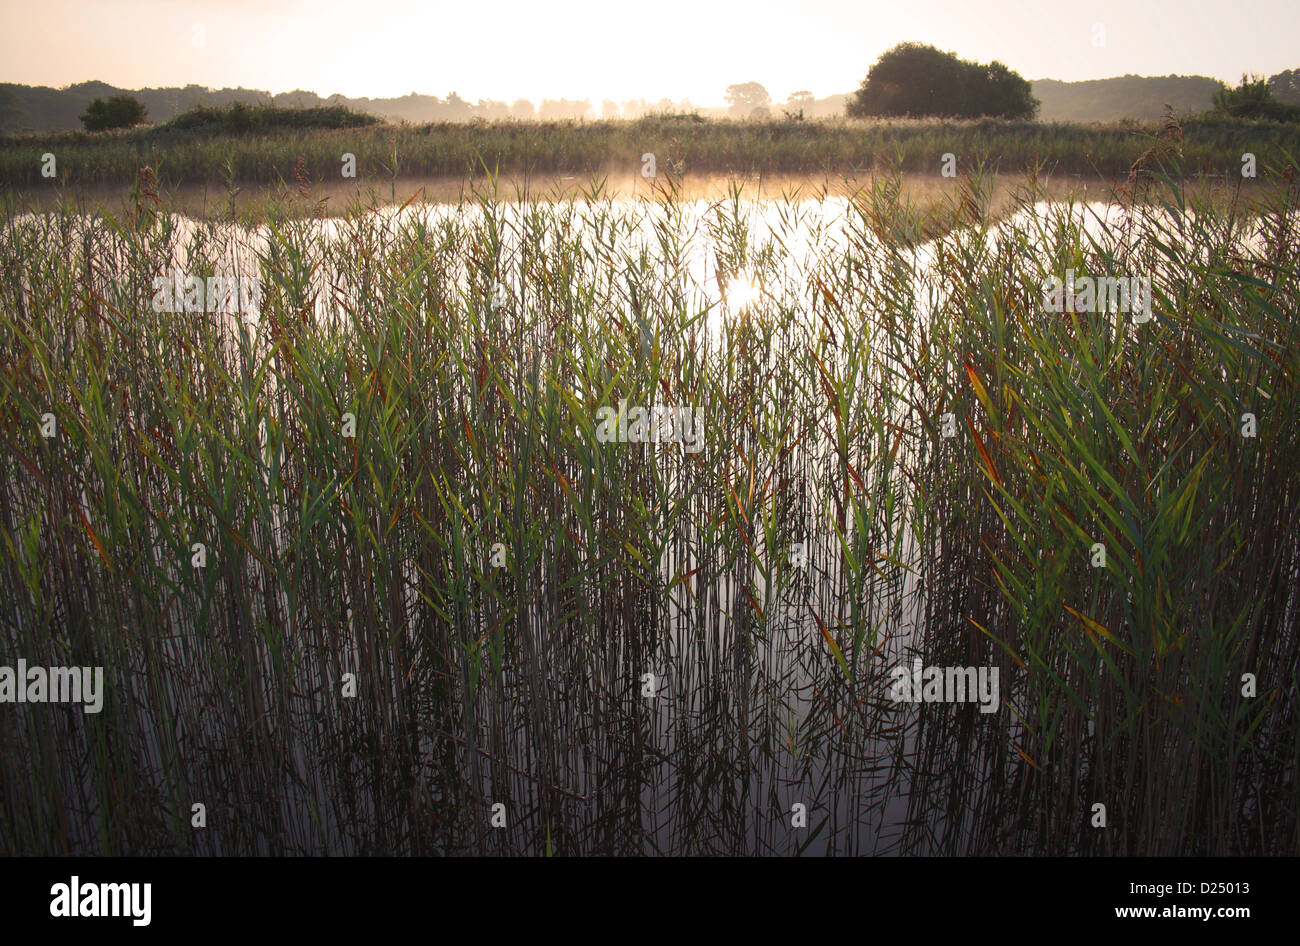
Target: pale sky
[(596, 49)]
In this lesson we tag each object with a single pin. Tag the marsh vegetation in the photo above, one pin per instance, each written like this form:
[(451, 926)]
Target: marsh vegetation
[(499, 583)]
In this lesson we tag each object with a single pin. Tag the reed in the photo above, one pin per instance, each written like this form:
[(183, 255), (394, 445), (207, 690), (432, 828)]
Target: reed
[(261, 151), (500, 582)]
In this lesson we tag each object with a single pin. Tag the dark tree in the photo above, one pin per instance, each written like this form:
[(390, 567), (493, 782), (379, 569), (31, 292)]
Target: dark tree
[(117, 111), (1253, 99), (915, 80), (996, 90)]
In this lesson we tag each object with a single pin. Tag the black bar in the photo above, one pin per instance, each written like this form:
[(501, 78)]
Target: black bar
[(364, 895)]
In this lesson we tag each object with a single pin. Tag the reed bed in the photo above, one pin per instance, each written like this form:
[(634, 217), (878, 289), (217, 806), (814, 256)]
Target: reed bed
[(499, 582), (683, 144)]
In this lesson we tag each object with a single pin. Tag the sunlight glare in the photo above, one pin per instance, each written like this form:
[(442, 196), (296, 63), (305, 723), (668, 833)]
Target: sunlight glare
[(741, 293)]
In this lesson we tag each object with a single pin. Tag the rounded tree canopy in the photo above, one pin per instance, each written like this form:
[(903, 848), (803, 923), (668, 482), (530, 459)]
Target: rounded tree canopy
[(118, 111), (915, 80)]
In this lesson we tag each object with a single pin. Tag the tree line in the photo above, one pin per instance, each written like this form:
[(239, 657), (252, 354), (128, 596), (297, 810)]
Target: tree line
[(909, 80)]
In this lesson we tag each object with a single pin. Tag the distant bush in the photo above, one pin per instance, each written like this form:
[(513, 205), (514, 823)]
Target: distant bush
[(240, 118), (914, 81), (1253, 98), (117, 111)]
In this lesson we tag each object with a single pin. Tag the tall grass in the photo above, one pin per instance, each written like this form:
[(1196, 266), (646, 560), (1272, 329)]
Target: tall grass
[(823, 402), (1088, 431), (681, 144)]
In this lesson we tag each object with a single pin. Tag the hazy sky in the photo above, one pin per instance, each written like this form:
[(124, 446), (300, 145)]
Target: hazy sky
[(508, 49)]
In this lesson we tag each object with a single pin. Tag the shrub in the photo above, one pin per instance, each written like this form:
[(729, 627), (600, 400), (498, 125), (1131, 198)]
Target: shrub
[(1253, 98), (239, 118), (118, 111)]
